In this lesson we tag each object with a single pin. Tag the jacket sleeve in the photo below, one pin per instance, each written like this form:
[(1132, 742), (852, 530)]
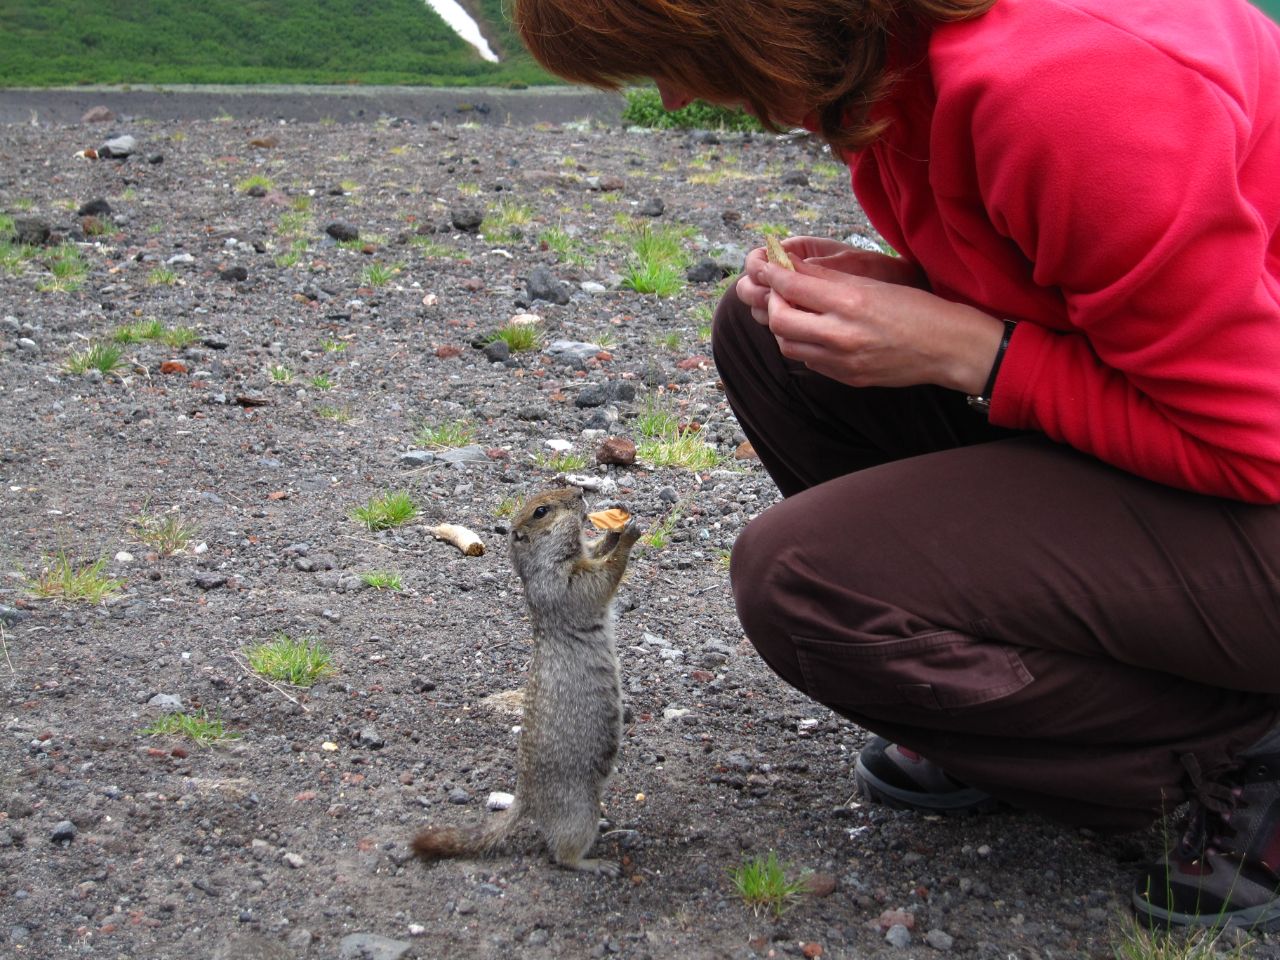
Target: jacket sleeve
[(1143, 187)]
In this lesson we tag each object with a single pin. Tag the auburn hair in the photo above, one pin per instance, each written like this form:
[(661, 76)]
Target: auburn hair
[(832, 56)]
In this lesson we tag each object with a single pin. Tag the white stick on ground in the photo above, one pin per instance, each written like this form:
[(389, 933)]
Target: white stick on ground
[(465, 540)]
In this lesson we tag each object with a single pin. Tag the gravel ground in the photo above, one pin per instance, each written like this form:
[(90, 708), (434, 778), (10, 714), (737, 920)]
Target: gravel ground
[(291, 840)]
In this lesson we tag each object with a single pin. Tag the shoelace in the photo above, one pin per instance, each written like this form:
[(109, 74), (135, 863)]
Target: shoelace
[(1209, 826)]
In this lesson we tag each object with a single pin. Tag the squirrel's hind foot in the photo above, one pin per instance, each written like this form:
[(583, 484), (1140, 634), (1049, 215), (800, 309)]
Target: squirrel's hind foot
[(607, 868)]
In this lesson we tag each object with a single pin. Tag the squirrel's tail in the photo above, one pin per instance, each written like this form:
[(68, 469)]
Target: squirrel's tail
[(439, 843)]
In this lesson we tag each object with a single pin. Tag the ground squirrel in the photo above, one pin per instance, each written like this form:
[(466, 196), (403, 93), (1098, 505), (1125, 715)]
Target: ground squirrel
[(573, 699)]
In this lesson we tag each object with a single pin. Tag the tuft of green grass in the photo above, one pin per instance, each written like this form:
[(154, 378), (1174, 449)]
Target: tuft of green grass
[(565, 246), (644, 109), (194, 726), (297, 247), (15, 256), (257, 180), (434, 248), (507, 508), (152, 329), (519, 337), (505, 222), (322, 381), (678, 448), (279, 373), (301, 662), (656, 263), (138, 332), (165, 534), (382, 580), (387, 511), (605, 339), (162, 277), (561, 462), (379, 275), (8, 229), (336, 414), (764, 885), (1134, 941), (67, 268), (295, 224), (332, 346), (454, 433), (670, 341), (179, 337), (63, 579), (106, 358), (659, 535), (656, 420)]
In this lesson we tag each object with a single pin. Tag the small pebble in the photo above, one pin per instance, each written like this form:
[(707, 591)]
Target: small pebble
[(898, 936)]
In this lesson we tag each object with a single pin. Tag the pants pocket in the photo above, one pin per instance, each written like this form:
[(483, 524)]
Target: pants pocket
[(936, 671)]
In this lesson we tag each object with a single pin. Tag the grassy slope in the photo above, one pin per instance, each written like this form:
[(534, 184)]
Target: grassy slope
[(1270, 7), (57, 42)]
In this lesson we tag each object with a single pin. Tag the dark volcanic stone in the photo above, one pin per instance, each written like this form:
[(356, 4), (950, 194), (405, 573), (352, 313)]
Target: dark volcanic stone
[(341, 231), (544, 286)]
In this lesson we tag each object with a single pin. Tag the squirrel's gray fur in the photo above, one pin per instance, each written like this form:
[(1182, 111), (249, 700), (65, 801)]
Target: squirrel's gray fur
[(572, 721)]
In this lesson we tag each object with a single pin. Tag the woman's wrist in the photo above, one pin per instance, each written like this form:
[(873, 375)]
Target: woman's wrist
[(975, 350), (982, 401)]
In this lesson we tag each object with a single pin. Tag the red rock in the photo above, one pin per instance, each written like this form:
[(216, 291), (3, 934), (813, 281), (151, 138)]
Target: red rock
[(616, 450), (448, 351), (812, 950), (698, 362), (174, 366), (702, 676), (179, 752), (304, 796), (820, 884), (745, 451), (892, 918)]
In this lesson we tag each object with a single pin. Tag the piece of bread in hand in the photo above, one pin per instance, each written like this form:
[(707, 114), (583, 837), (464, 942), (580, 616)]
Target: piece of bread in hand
[(776, 254)]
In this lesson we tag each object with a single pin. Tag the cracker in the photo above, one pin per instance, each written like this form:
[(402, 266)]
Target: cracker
[(776, 254), (615, 518)]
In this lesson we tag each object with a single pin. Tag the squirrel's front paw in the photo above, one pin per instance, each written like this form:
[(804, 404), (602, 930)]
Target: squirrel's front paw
[(631, 532)]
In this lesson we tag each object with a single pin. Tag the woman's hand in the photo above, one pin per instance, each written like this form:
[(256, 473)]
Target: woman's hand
[(866, 332), (826, 253)]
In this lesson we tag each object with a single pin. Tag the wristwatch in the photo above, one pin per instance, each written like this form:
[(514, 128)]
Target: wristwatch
[(982, 401)]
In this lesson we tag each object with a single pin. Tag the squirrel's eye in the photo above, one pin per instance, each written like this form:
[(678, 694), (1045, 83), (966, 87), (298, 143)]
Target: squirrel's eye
[(539, 513)]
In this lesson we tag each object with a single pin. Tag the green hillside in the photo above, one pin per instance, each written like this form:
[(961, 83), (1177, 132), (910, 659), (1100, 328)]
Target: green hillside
[(1270, 7), (64, 42)]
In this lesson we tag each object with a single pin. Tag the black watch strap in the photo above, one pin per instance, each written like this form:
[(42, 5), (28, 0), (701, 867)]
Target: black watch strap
[(982, 401)]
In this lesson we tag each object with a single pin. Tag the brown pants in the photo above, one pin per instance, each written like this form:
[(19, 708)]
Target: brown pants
[(1050, 629)]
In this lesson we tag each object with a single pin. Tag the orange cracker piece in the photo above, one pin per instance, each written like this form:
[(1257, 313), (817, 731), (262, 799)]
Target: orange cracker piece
[(776, 253), (615, 518)]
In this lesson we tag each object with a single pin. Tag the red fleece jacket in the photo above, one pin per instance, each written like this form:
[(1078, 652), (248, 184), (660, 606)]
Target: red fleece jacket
[(1107, 172)]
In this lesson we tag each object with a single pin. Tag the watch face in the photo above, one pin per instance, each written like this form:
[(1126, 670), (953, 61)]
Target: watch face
[(980, 403)]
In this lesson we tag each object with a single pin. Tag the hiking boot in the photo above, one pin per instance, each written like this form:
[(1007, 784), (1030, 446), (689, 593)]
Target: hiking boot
[(901, 778), (1225, 871)]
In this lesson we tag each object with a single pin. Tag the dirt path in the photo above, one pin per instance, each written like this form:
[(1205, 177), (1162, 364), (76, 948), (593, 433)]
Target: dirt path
[(312, 104)]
